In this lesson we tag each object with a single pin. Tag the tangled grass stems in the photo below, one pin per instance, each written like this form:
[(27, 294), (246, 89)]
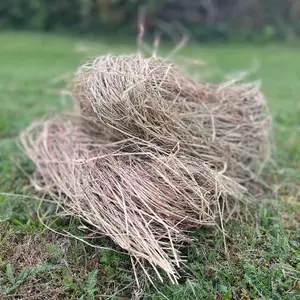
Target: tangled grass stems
[(152, 154)]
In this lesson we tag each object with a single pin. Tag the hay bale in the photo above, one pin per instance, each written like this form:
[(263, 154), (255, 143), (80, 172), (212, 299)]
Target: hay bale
[(153, 154)]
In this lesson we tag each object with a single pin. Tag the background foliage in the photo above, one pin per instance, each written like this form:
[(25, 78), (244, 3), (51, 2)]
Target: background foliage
[(203, 19)]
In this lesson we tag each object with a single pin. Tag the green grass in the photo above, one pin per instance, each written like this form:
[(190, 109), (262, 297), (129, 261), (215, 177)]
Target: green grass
[(263, 259)]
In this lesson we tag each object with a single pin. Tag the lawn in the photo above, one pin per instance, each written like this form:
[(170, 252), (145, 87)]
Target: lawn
[(263, 259)]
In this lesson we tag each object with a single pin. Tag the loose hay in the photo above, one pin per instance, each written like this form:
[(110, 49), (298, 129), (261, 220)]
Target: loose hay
[(152, 155)]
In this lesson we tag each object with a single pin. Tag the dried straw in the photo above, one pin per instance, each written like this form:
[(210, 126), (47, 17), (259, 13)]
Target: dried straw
[(153, 154)]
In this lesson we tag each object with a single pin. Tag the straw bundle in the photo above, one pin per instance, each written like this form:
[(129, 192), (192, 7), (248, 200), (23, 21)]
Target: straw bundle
[(152, 154)]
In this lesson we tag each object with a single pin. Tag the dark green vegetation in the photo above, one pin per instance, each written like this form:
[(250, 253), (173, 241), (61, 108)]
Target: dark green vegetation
[(259, 20), (263, 258)]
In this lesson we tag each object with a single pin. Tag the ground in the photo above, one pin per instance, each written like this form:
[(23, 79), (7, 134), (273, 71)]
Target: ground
[(263, 258)]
